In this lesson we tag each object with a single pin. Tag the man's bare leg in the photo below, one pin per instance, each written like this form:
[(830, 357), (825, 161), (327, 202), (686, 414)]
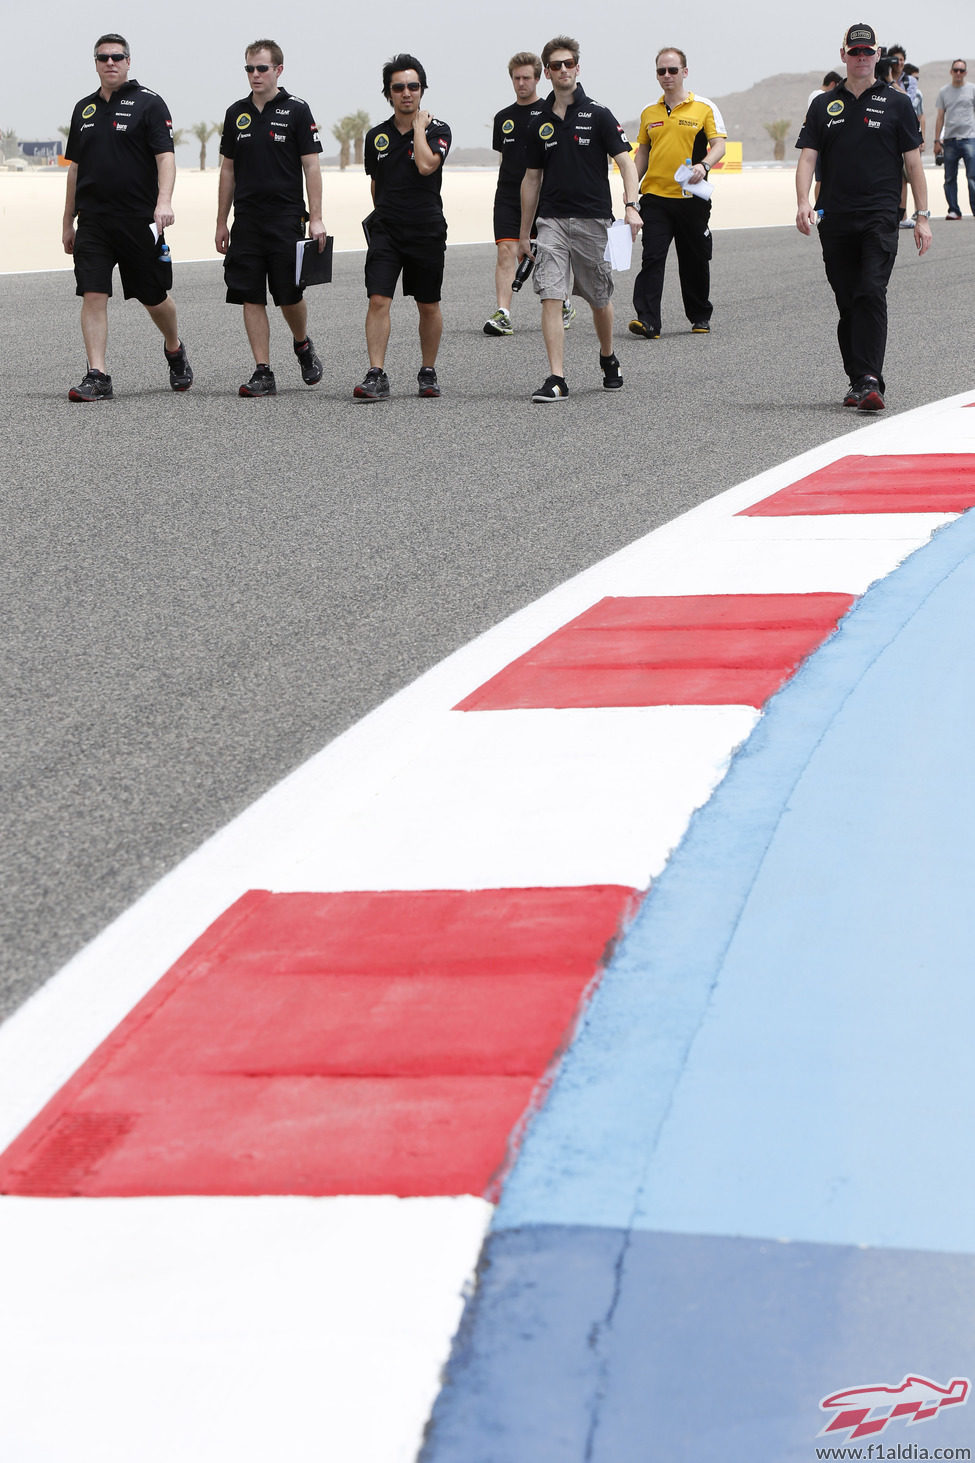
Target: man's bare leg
[(94, 329), (553, 334), (377, 329)]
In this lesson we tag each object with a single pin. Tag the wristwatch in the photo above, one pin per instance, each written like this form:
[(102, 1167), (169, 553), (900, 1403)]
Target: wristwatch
[(706, 169), (635, 205), (922, 213)]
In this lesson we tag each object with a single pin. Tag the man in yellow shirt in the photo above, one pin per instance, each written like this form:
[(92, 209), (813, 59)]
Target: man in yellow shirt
[(678, 127)]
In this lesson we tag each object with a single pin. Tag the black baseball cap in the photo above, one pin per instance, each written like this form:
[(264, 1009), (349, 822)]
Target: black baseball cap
[(860, 34)]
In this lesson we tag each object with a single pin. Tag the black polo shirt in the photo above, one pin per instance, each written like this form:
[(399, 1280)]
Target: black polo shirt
[(510, 139), (861, 142), (115, 144), (267, 148), (407, 201), (573, 152)]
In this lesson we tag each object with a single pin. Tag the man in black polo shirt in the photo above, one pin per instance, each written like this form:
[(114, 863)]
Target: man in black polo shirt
[(864, 134), (567, 182), (120, 184), (407, 231), (510, 138), (270, 149)]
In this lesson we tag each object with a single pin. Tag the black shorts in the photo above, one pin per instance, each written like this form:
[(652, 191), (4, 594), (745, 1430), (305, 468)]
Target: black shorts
[(261, 257), (103, 240), (420, 260), (507, 213)]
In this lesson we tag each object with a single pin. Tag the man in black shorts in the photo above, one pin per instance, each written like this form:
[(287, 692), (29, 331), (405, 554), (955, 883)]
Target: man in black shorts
[(269, 149), (407, 231), (120, 184), (509, 139)]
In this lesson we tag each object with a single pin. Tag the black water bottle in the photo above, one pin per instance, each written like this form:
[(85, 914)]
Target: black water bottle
[(523, 271)]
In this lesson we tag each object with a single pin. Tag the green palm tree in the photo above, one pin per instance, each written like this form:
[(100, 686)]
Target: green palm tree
[(344, 132), (361, 120), (204, 131), (778, 132)]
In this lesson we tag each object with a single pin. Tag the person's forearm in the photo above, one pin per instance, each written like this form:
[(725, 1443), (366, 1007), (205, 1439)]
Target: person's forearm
[(71, 185), (165, 176), (313, 186), (225, 194)]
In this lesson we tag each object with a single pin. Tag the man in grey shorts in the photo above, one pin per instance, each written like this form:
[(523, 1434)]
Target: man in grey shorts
[(567, 183)]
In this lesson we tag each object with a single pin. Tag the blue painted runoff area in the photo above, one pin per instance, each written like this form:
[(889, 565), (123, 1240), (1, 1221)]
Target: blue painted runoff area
[(753, 1181)]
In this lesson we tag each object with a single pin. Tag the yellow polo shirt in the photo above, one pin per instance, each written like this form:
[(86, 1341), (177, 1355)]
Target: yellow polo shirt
[(672, 137)]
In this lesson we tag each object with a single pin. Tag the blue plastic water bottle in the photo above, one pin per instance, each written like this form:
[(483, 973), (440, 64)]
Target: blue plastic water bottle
[(164, 255)]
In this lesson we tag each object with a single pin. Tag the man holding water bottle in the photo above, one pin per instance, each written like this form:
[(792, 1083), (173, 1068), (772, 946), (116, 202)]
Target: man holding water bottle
[(120, 185), (678, 128)]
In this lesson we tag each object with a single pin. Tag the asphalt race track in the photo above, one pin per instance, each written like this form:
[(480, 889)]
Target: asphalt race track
[(201, 591)]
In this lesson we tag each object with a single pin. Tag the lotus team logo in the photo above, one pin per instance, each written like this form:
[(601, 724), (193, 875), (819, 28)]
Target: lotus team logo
[(243, 121), (868, 1410), (835, 108), (381, 142), (546, 131), (507, 126), (89, 111)]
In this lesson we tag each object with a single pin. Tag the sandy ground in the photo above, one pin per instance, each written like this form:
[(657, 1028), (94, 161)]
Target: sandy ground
[(31, 205)]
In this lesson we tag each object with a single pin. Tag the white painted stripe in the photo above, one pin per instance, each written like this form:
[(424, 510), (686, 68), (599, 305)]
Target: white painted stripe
[(243, 1329)]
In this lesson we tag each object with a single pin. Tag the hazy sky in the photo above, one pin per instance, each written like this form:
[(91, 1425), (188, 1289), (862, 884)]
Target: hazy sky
[(193, 54)]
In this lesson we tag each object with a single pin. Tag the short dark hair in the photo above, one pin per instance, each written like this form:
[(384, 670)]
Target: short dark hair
[(526, 58), (910, 69), (896, 51), (114, 37), (677, 52), (403, 62), (832, 78), (560, 43), (272, 48)]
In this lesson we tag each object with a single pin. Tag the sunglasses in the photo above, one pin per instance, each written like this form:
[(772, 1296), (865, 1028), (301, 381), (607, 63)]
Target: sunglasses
[(262, 68), (404, 86), (668, 70), (960, 70), (861, 51), (557, 65), (115, 56)]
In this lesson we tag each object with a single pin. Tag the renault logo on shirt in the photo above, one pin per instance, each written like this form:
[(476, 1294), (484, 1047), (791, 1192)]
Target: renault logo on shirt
[(244, 120)]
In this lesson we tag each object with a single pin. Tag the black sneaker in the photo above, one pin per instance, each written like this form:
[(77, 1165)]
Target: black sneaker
[(854, 394), (95, 387), (871, 398), (612, 375), (374, 386), (553, 388), (645, 331), (700, 327), (262, 383), (311, 366), (427, 382), (180, 370)]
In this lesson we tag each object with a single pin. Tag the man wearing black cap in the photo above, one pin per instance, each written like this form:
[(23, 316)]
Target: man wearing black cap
[(864, 133)]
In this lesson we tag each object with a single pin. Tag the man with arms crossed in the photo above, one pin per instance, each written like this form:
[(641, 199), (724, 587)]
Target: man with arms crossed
[(956, 114), (269, 159), (567, 183), (120, 184), (676, 127), (510, 140), (865, 132), (404, 157)]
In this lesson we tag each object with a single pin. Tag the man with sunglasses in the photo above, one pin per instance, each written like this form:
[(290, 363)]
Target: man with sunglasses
[(866, 133), (566, 183), (407, 231), (956, 115), (677, 127), (270, 151), (120, 184)]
